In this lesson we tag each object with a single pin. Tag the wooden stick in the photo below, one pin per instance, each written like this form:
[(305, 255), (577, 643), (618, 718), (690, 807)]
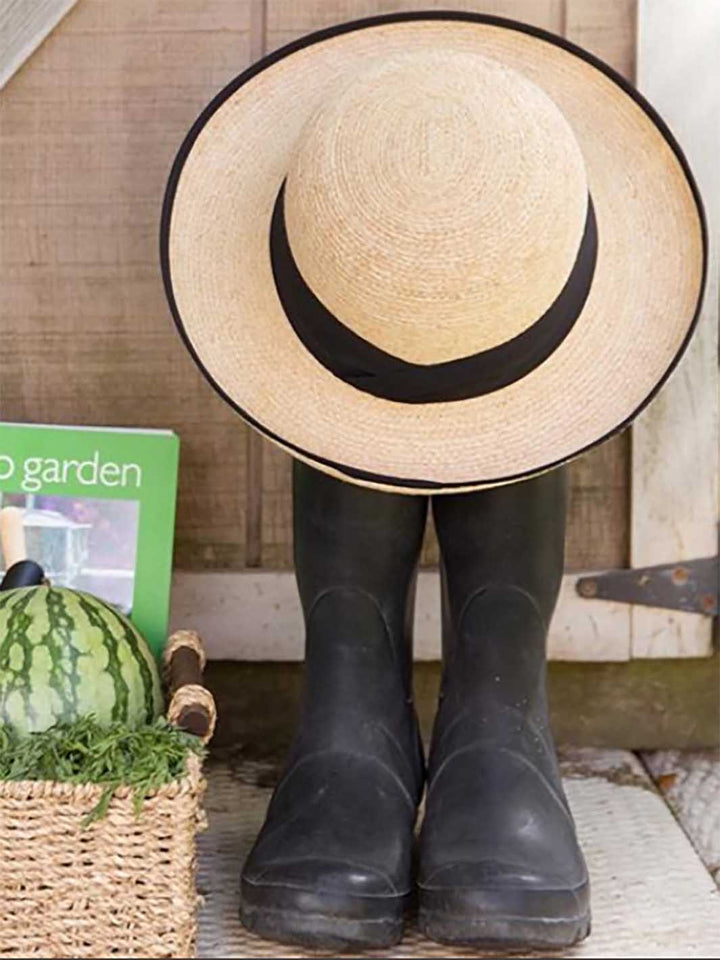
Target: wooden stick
[(191, 707)]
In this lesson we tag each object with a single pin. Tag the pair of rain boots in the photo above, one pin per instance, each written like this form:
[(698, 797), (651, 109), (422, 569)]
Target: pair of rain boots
[(497, 863)]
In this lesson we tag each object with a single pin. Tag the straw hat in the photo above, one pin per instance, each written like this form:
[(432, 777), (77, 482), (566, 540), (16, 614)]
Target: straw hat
[(433, 252)]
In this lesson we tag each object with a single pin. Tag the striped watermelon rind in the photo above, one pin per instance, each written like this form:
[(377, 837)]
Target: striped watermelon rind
[(66, 654)]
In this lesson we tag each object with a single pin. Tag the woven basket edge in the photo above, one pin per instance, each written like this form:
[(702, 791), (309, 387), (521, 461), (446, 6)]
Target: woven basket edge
[(191, 783)]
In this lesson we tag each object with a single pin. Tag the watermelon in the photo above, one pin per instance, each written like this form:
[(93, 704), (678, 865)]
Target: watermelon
[(65, 654)]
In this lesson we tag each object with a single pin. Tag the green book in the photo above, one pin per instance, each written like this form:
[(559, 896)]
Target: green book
[(99, 512)]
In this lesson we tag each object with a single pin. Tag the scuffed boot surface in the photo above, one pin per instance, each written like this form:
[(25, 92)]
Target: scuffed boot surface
[(331, 867), (500, 862)]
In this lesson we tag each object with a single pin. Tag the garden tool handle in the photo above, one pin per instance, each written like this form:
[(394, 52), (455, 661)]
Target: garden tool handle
[(12, 536), (191, 705), (19, 571)]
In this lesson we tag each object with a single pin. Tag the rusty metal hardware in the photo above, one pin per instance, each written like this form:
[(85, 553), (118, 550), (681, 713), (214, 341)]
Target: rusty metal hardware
[(690, 585)]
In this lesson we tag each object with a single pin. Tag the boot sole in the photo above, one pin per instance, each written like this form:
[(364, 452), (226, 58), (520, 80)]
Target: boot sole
[(485, 924), (322, 921)]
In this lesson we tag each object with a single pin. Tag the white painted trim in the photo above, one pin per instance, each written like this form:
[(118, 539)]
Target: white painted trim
[(255, 615), (24, 24), (674, 496)]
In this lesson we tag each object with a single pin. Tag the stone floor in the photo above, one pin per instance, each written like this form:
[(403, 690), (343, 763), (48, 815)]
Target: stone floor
[(643, 836)]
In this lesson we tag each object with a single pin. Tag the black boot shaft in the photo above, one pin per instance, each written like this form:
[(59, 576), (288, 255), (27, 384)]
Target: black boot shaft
[(356, 556), (513, 535), (502, 555), (349, 539), (332, 864), (500, 863)]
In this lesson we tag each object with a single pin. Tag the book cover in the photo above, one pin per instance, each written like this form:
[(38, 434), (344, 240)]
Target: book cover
[(99, 512)]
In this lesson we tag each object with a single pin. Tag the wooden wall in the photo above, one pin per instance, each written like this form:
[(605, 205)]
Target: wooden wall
[(89, 127)]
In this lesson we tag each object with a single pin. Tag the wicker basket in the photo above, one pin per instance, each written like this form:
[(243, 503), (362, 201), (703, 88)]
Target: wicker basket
[(124, 886)]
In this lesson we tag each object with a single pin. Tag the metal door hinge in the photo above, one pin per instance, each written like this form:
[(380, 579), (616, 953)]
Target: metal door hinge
[(690, 585)]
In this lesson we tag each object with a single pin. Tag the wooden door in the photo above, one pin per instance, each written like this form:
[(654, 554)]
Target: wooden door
[(88, 130)]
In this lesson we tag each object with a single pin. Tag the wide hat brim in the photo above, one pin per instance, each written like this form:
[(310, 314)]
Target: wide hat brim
[(633, 328)]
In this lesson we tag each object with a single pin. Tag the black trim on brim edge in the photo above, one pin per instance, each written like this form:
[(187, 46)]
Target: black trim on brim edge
[(351, 472)]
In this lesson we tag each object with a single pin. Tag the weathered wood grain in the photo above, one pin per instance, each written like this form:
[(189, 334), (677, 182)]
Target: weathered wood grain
[(690, 783), (605, 28), (24, 24), (256, 615), (598, 519), (288, 19), (675, 442), (88, 131), (87, 135), (276, 508)]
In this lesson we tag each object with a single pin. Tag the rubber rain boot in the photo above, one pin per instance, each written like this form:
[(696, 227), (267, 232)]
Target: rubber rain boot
[(500, 865), (331, 867)]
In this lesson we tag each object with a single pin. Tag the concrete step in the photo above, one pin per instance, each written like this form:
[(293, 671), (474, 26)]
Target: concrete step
[(652, 896)]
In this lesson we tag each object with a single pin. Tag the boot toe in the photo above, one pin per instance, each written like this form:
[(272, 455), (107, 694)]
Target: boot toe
[(323, 904), (316, 874), (493, 887), (489, 903)]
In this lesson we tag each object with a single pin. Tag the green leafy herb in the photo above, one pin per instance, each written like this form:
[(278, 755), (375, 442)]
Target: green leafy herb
[(83, 751)]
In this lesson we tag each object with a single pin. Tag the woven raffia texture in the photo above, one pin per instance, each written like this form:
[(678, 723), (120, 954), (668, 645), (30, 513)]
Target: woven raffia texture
[(124, 886), (179, 639), (193, 695)]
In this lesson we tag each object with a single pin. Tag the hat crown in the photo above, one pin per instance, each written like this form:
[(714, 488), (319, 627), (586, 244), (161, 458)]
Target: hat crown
[(436, 204)]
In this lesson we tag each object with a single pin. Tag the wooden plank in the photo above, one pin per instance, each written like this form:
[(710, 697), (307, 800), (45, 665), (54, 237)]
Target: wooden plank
[(605, 28), (637, 705), (24, 24), (254, 505), (597, 520), (583, 629), (255, 442), (88, 131), (276, 508), (690, 784), (599, 495), (255, 615), (675, 448), (288, 19)]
